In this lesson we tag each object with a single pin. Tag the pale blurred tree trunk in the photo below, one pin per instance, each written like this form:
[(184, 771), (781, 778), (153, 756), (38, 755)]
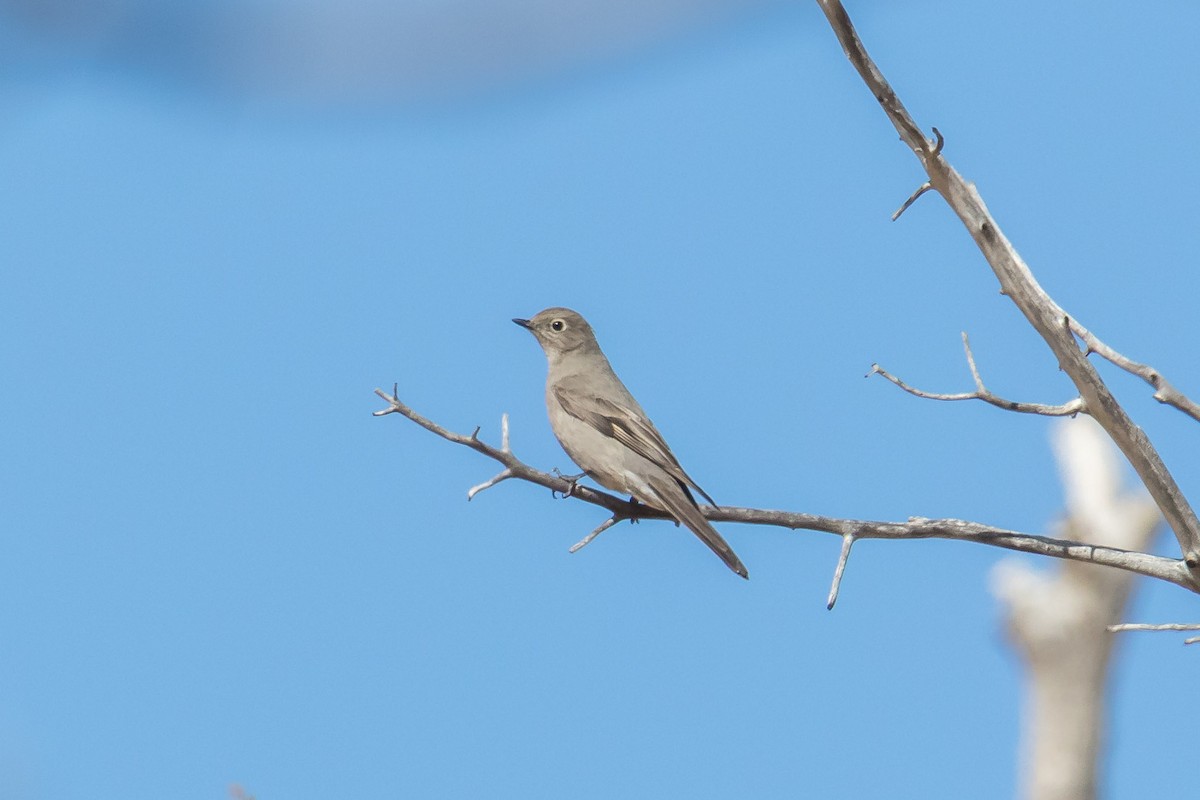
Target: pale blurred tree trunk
[(1056, 618)]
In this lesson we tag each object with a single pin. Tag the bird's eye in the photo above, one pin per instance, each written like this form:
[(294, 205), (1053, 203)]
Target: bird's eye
[(558, 325)]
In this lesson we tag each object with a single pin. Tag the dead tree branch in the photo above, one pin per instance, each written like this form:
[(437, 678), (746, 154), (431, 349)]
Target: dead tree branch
[(1143, 626), (1067, 409), (843, 558), (1166, 569), (1164, 392), (1168, 626), (912, 198), (1018, 283)]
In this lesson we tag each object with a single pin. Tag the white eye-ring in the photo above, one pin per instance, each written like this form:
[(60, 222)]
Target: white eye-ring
[(557, 325)]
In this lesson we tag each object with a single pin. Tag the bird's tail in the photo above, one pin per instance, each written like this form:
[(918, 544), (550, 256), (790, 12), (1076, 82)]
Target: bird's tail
[(672, 498)]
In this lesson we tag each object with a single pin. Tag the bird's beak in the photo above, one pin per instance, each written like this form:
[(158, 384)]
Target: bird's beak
[(524, 323)]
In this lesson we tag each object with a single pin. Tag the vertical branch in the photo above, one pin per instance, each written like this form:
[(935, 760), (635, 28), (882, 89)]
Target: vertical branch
[(1058, 620)]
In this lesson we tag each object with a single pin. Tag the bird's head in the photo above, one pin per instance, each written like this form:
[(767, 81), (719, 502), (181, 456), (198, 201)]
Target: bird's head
[(560, 330)]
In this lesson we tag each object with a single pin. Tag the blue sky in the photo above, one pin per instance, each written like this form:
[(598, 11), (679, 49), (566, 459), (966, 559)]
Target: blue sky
[(218, 568)]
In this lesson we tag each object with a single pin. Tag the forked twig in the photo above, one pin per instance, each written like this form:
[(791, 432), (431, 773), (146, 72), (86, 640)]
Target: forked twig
[(1067, 409)]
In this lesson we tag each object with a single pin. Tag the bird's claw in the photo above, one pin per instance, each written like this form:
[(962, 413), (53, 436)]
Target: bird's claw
[(572, 480)]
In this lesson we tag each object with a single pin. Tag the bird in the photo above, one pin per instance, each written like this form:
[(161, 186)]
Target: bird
[(605, 431)]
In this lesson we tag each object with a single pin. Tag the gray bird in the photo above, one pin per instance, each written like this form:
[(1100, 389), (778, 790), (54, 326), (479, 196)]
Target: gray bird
[(606, 432)]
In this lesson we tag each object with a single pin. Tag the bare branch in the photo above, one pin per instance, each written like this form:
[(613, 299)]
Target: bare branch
[(912, 198), (1164, 392), (1143, 626), (504, 448), (601, 528), (1068, 409), (489, 483), (843, 557), (514, 466), (878, 370), (1019, 284), (1167, 569), (1168, 626)]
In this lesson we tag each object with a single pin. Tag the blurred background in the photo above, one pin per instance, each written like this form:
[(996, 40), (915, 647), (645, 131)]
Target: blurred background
[(222, 224)]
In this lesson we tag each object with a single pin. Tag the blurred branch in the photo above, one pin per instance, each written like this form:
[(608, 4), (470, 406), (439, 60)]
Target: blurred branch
[(1018, 283), (1058, 620), (1166, 569), (1067, 409)]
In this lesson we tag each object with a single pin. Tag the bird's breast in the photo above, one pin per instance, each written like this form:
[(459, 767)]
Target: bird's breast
[(603, 458)]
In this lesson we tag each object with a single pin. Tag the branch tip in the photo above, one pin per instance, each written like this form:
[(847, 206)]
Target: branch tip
[(601, 528), (922, 189), (971, 363), (392, 400), (489, 483), (843, 557)]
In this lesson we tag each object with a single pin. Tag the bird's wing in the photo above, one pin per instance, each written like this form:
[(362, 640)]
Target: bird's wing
[(629, 427)]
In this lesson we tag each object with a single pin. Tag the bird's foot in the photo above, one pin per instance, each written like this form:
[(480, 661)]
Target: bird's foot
[(633, 518), (573, 480)]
